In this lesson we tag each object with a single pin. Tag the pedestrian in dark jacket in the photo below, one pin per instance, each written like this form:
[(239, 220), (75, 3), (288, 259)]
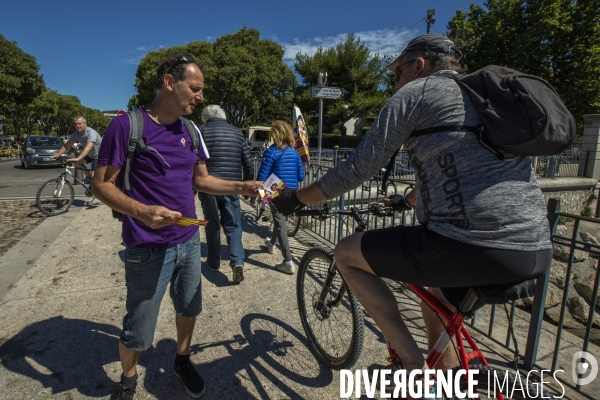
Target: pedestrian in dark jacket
[(282, 160), (229, 160)]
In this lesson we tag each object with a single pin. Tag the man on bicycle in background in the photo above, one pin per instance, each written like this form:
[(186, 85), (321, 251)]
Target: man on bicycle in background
[(482, 221), (91, 141)]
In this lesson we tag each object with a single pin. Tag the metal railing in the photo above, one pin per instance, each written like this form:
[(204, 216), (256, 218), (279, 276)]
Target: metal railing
[(562, 165)]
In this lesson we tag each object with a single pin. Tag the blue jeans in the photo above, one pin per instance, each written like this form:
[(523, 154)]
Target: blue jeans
[(230, 220), (147, 275)]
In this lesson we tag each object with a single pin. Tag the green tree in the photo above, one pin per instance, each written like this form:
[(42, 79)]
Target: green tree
[(68, 108), (45, 109), (243, 73), (95, 119), (558, 40), (351, 67), (20, 81), (251, 83)]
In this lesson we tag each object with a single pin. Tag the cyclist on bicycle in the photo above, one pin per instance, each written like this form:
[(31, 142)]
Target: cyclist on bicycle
[(482, 221), (91, 141)]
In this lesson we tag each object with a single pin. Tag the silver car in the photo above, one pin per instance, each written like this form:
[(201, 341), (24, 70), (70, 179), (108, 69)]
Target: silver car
[(37, 151)]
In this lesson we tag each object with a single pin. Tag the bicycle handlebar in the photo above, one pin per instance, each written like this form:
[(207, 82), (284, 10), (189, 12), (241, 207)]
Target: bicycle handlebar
[(326, 211)]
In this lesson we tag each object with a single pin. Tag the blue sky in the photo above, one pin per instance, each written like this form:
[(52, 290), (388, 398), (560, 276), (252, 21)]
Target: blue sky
[(91, 49)]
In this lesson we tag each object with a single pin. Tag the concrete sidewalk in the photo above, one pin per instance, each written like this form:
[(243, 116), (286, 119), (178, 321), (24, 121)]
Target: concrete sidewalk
[(61, 323)]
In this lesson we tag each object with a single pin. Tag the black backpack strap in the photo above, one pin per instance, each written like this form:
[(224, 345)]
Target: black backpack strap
[(477, 130), (192, 131), (136, 122), (136, 144)]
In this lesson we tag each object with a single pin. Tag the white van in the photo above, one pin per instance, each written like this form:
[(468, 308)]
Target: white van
[(258, 137)]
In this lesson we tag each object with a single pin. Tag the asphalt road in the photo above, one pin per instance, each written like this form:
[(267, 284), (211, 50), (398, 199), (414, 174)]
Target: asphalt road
[(18, 183)]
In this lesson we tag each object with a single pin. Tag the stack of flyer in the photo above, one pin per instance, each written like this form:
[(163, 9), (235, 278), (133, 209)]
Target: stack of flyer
[(273, 186)]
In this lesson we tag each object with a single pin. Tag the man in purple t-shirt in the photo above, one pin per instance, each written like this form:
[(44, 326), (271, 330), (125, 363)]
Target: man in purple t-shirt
[(157, 251)]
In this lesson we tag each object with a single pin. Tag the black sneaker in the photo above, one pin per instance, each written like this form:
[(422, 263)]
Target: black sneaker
[(124, 393), (238, 273), (193, 382), (87, 180)]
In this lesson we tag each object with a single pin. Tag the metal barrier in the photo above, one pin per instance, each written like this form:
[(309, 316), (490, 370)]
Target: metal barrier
[(562, 165)]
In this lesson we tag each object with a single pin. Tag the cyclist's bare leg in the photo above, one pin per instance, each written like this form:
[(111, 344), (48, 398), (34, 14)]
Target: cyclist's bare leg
[(377, 299), (81, 164), (435, 327)]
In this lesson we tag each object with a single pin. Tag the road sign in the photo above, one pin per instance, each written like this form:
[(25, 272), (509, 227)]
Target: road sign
[(326, 92)]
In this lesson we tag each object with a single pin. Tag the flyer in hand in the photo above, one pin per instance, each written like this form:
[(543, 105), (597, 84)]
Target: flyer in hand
[(184, 221), (273, 185)]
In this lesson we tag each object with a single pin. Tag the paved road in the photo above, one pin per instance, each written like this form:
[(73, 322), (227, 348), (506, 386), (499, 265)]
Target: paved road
[(19, 183), (20, 215)]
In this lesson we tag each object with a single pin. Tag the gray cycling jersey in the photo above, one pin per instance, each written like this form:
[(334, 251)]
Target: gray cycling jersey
[(464, 192)]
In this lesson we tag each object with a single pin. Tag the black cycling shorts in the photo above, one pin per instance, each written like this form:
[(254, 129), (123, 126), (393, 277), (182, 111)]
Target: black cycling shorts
[(417, 255)]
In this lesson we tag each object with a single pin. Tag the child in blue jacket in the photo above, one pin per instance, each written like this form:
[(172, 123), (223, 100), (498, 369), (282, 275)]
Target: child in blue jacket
[(282, 160)]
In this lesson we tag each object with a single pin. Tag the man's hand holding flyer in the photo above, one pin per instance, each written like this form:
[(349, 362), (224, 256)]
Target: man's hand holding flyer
[(273, 186)]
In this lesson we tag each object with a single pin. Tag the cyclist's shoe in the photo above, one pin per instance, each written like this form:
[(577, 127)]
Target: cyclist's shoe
[(394, 365), (87, 180), (238, 273), (270, 247), (125, 393), (286, 267), (94, 202), (432, 390), (193, 382)]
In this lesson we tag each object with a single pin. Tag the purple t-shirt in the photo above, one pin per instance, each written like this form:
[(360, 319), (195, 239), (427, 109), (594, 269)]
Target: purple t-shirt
[(155, 181)]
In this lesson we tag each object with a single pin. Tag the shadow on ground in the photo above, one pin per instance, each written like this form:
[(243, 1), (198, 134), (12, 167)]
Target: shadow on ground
[(66, 354)]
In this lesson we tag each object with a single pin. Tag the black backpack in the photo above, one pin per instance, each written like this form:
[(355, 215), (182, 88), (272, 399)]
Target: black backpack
[(520, 114), (137, 145)]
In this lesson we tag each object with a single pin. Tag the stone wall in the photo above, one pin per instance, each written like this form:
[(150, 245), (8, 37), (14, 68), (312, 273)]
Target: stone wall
[(574, 193)]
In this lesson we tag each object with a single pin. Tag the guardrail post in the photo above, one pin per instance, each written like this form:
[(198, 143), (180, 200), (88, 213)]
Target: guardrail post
[(541, 290)]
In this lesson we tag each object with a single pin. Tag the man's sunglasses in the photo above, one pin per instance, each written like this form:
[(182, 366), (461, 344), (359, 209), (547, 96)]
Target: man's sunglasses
[(186, 58), (399, 69)]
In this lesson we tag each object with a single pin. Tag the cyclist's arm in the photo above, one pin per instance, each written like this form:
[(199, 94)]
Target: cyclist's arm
[(64, 149), (103, 187), (88, 147), (310, 194)]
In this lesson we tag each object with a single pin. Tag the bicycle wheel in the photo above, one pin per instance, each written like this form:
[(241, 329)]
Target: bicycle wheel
[(292, 223), (55, 197), (492, 381), (259, 207), (334, 327)]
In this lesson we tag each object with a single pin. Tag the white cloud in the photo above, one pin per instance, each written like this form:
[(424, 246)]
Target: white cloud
[(382, 41), (134, 60), (141, 48)]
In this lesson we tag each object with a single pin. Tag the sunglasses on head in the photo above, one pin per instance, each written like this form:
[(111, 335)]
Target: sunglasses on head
[(186, 58)]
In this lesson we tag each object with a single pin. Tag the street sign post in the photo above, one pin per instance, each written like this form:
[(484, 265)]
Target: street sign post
[(323, 92), (326, 92)]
